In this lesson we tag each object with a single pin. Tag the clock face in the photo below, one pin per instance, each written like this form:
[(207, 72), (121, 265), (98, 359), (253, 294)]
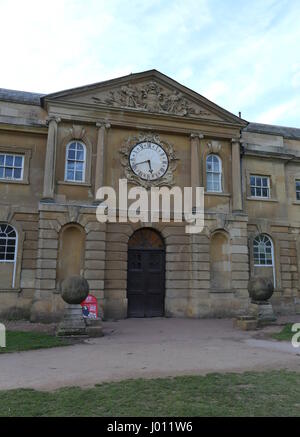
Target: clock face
[(149, 161)]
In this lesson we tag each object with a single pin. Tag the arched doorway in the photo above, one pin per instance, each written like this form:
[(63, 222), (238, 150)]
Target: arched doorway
[(146, 274)]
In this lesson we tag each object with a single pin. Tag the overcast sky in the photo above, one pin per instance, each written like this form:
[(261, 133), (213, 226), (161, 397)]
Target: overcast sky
[(242, 54)]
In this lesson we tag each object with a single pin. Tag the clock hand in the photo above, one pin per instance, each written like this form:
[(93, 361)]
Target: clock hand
[(143, 162), (149, 163), (150, 168)]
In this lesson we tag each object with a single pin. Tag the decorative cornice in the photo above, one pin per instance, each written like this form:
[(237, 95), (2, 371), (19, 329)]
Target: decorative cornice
[(272, 154)]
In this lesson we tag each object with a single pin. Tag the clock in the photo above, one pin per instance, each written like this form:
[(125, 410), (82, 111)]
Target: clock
[(148, 161)]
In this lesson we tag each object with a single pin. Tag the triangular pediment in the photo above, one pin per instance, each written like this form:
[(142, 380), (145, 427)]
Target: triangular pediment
[(148, 92)]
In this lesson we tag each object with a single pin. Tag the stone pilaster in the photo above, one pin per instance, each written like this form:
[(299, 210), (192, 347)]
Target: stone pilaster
[(236, 176), (49, 173), (100, 160)]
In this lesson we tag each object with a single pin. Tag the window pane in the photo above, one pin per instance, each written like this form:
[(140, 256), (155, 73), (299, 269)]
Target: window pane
[(265, 192), (265, 182), (216, 166), (258, 192), (1, 172), (79, 166), (252, 180), (258, 182), (1, 159), (18, 161), (209, 182), (71, 154), (17, 173), (70, 175), (71, 166), (9, 160), (8, 172), (79, 176), (80, 155)]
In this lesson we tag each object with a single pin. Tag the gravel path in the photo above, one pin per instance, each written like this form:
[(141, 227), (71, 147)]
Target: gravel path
[(148, 348)]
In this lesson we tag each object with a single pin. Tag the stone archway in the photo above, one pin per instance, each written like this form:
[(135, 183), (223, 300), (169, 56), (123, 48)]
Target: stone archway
[(146, 274), (71, 252), (220, 261)]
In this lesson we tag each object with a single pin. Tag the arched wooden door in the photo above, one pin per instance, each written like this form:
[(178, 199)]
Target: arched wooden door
[(146, 274)]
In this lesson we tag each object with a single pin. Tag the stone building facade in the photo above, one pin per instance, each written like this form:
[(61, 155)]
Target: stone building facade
[(57, 150)]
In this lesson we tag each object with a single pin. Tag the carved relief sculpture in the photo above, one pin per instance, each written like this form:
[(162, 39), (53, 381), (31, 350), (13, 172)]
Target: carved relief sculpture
[(151, 97)]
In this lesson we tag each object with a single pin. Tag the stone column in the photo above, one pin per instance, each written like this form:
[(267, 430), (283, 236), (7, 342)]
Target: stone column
[(100, 159), (236, 176), (49, 172), (195, 160)]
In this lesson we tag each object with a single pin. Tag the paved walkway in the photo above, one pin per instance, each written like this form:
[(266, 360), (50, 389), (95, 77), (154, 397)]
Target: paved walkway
[(136, 348)]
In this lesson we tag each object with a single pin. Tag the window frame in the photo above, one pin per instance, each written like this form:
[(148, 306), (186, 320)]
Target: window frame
[(219, 173), (13, 167), (14, 261), (261, 187), (74, 181), (264, 236), (297, 181)]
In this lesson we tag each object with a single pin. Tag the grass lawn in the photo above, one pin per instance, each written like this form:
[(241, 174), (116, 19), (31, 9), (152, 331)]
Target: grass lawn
[(274, 393), (286, 334), (22, 341)]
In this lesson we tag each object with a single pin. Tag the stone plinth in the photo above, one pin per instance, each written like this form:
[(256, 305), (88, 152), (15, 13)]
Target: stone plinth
[(94, 327), (263, 312), (73, 323)]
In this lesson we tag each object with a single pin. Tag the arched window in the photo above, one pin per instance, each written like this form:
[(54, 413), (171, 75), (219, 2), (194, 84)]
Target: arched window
[(8, 255), (213, 174), (75, 162), (8, 243), (263, 251)]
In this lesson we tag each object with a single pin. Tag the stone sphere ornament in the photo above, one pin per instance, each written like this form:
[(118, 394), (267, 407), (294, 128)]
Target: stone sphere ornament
[(260, 289), (75, 290)]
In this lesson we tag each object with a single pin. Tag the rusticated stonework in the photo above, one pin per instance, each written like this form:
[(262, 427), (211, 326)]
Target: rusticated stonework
[(152, 97), (167, 179)]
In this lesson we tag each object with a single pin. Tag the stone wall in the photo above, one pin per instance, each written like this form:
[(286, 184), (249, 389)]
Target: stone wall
[(47, 303), (16, 302)]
